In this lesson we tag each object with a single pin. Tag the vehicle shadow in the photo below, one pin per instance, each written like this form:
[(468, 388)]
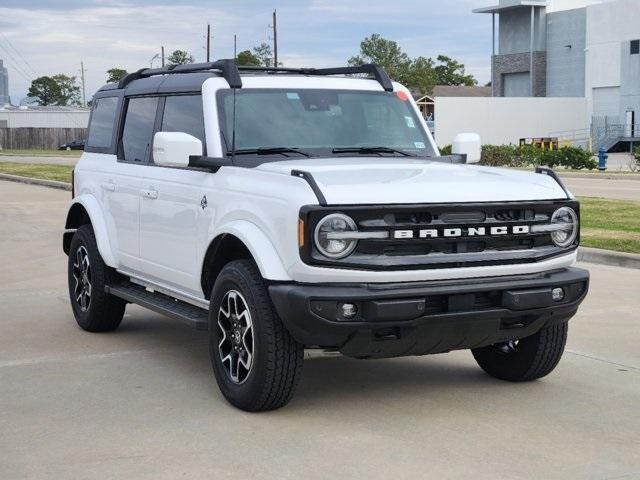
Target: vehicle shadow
[(326, 380)]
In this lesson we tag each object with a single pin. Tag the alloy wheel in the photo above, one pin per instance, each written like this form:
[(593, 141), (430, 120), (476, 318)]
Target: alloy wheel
[(82, 277), (235, 330)]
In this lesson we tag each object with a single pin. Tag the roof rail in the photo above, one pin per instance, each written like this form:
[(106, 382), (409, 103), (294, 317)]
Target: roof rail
[(376, 70), (226, 66), (231, 72)]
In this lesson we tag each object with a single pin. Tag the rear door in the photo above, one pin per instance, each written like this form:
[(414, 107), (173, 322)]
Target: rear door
[(174, 210), (125, 184)]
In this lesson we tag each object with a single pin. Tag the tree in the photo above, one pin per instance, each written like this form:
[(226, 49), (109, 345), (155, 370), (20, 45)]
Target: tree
[(44, 90), (386, 53), (247, 58), (264, 54), (420, 73), (451, 72), (55, 90), (115, 74), (179, 57), (69, 91)]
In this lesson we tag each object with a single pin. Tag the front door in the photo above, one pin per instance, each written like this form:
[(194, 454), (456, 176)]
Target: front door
[(174, 210)]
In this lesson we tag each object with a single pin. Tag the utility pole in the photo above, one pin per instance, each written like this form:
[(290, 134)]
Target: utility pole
[(162, 49), (208, 42), (275, 40), (235, 46), (84, 94)]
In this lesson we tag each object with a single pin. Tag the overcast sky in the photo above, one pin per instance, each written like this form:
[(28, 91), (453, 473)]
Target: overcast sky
[(40, 37)]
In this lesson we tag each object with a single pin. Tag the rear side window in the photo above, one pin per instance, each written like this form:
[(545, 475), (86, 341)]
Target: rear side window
[(635, 47), (183, 113), (138, 129), (102, 122)]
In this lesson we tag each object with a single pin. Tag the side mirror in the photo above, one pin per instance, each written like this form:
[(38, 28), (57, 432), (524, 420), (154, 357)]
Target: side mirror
[(173, 149), (467, 144)]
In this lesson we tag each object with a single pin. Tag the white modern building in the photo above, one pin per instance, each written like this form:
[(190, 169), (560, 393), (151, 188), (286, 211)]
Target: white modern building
[(572, 48)]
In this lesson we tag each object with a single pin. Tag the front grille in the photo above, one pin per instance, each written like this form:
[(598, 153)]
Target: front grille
[(425, 241)]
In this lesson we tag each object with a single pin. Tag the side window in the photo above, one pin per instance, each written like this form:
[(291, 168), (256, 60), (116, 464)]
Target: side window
[(102, 122), (183, 113), (138, 128), (635, 47)]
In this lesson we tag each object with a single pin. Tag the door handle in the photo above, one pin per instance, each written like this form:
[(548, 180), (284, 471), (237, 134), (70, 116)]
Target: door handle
[(152, 194), (108, 186)]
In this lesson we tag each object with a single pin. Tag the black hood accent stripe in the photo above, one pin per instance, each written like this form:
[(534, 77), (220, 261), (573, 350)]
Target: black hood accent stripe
[(312, 183)]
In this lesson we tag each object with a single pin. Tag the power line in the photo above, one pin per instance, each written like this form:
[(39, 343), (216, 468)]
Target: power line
[(18, 52), (17, 67)]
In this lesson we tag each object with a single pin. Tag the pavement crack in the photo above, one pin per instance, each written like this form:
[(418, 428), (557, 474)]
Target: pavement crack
[(593, 357)]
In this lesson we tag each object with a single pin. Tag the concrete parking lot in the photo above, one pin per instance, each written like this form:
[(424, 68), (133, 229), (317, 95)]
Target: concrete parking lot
[(141, 403)]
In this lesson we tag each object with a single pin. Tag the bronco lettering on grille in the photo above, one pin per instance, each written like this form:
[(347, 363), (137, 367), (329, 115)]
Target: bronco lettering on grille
[(462, 232)]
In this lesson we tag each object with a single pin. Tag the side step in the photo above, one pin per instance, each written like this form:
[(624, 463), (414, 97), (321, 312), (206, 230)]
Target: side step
[(158, 302)]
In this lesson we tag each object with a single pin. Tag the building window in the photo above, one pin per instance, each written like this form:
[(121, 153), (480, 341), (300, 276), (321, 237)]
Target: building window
[(635, 47)]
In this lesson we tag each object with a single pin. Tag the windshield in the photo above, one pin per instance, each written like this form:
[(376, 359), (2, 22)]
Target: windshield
[(322, 122)]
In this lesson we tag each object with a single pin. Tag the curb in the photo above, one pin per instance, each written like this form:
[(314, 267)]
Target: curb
[(608, 257), (36, 181), (600, 176)]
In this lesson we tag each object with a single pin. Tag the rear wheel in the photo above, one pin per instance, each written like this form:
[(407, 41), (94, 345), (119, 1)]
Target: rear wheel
[(256, 362), (526, 359), (94, 309)]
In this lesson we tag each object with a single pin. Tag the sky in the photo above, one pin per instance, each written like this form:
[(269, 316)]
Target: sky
[(40, 37)]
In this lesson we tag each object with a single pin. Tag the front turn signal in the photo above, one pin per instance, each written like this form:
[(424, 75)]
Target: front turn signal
[(300, 233)]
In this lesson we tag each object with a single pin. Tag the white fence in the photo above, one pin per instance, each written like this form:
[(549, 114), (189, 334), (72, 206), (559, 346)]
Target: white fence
[(501, 120)]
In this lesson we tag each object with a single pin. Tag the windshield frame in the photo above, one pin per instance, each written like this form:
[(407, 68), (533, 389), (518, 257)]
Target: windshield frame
[(430, 150)]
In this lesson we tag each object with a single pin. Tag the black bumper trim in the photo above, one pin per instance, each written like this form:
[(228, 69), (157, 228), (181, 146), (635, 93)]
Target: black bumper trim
[(428, 317)]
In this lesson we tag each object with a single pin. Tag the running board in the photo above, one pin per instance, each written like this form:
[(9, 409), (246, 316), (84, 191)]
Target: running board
[(161, 303)]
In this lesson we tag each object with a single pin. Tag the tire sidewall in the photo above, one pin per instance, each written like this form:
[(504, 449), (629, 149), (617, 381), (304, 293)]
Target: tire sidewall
[(251, 388), (80, 238)]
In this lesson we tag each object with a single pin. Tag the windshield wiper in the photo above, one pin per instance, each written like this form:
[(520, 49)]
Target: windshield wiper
[(269, 151), (371, 150)]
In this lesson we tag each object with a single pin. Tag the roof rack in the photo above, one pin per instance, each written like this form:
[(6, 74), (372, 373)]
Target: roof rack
[(375, 70), (231, 72), (226, 66)]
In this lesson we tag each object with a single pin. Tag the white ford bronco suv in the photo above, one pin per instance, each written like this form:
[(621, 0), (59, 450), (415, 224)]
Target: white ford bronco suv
[(282, 209)]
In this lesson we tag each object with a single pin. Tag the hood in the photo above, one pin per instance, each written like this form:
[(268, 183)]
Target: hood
[(348, 181)]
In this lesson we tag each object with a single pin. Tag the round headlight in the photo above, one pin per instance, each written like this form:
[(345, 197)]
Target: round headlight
[(566, 222), (331, 236)]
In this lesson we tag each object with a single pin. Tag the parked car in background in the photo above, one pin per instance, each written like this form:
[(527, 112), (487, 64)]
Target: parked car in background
[(73, 145)]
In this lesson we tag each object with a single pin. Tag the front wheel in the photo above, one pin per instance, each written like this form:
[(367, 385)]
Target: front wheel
[(527, 359), (256, 362)]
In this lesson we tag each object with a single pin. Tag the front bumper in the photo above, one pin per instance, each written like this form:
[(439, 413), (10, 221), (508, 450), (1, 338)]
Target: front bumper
[(428, 317)]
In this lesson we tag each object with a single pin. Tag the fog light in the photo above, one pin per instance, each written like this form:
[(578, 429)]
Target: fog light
[(557, 294), (349, 310)]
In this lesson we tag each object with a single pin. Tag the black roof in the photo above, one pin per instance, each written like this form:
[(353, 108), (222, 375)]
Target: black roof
[(189, 78)]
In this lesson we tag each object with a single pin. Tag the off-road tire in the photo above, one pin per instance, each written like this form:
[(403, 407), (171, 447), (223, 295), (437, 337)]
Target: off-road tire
[(104, 312), (277, 358), (532, 358)]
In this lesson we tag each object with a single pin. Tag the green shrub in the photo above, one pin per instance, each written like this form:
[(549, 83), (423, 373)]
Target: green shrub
[(636, 153), (497, 155), (446, 150), (523, 156)]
